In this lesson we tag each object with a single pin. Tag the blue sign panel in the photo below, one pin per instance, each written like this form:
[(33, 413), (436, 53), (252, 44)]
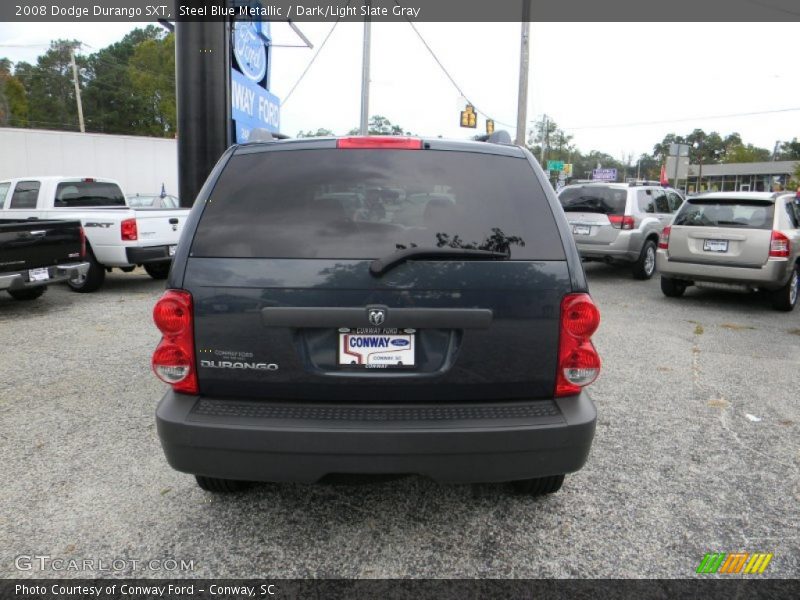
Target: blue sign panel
[(605, 174), (249, 49), (252, 107)]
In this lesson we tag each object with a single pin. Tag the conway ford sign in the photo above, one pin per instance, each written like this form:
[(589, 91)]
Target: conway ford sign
[(252, 107), (249, 50)]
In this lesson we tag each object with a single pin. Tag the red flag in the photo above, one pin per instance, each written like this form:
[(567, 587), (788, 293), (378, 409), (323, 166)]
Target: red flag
[(664, 180)]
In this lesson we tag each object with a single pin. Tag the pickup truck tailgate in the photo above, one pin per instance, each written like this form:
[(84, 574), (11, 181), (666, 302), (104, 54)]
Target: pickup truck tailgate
[(160, 226), (28, 244)]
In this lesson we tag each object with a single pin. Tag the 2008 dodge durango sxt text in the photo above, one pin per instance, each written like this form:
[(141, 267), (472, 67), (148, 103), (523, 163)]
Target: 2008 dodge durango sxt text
[(308, 255)]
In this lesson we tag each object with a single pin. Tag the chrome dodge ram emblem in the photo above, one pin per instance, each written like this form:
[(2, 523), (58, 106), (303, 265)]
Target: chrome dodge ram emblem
[(376, 316)]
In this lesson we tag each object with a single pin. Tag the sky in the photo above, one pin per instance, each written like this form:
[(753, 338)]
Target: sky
[(604, 83)]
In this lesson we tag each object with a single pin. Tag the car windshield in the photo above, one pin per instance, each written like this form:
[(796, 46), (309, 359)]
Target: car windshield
[(73, 194), (715, 212), (594, 198), (359, 204)]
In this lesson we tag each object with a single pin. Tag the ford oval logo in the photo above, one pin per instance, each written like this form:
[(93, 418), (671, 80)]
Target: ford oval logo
[(399, 342), (249, 50)]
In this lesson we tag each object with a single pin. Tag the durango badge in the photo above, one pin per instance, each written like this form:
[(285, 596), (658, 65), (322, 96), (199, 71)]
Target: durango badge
[(376, 316)]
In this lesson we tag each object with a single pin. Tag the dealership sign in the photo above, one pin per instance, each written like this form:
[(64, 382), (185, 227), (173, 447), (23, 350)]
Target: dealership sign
[(249, 50), (604, 174)]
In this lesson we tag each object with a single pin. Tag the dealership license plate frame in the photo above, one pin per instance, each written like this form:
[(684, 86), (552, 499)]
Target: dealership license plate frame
[(346, 362), (41, 274), (711, 245)]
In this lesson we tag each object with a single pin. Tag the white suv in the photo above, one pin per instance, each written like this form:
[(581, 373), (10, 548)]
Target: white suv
[(619, 222)]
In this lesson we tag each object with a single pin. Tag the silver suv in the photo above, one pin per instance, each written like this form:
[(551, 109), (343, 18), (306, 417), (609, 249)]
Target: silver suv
[(619, 222), (734, 239)]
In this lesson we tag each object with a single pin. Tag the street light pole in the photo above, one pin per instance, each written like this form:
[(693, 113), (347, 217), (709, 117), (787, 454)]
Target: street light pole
[(77, 89), (524, 53), (364, 128)]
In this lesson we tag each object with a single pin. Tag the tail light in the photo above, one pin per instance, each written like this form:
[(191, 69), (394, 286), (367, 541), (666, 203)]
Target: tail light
[(621, 221), (578, 361), (173, 360), (779, 245), (129, 231), (386, 142), (663, 239), (83, 243)]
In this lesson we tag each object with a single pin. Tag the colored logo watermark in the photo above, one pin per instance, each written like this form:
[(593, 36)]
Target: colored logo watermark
[(732, 563)]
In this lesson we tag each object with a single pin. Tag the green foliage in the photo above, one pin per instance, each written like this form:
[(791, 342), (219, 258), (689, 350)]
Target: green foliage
[(379, 125), (13, 100), (321, 132), (151, 71)]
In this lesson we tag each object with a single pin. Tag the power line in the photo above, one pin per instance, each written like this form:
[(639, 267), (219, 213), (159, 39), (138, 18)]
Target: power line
[(311, 62), (666, 121), (450, 77)]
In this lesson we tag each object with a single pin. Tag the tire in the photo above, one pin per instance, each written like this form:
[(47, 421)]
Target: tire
[(785, 299), (540, 486), (93, 279), (220, 486), (28, 294), (158, 270), (645, 266), (672, 288)]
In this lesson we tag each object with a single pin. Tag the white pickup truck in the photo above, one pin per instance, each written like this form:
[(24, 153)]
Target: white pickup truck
[(117, 236)]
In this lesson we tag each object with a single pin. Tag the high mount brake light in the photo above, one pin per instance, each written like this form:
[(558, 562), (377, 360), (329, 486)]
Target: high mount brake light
[(386, 142), (173, 360), (129, 231), (621, 221), (779, 245), (578, 361), (663, 239)]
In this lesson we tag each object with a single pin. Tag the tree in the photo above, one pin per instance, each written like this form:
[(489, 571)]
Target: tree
[(789, 150), (13, 99), (49, 87), (747, 153), (379, 125), (151, 71), (321, 132)]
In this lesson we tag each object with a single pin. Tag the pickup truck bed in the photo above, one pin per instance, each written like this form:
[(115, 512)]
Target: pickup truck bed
[(35, 253)]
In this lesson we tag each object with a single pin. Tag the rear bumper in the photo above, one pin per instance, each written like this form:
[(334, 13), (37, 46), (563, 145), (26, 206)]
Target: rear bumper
[(772, 275), (292, 441), (627, 247), (139, 255), (20, 279)]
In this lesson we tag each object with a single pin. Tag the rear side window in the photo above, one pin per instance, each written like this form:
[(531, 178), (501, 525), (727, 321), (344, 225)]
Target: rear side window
[(365, 204), (25, 194), (749, 214), (73, 194), (661, 202), (594, 198), (792, 208)]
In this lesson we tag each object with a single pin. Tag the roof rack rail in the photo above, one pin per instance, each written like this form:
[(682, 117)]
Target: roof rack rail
[(501, 136)]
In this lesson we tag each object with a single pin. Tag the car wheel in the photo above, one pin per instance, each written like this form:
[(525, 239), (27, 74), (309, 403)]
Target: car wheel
[(28, 294), (645, 266), (539, 486), (93, 279), (673, 288), (158, 270), (786, 298), (220, 486)]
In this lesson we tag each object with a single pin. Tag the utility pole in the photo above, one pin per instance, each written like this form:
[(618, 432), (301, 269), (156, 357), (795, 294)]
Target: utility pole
[(77, 89), (364, 128), (524, 52)]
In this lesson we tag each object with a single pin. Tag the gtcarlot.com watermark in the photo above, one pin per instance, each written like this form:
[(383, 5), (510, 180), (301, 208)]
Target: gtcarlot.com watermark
[(44, 562)]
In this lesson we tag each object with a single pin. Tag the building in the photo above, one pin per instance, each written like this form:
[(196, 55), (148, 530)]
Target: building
[(741, 177)]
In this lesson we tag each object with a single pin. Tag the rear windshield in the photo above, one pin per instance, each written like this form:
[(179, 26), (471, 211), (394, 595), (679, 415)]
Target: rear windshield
[(73, 194), (750, 214), (594, 198), (369, 203)]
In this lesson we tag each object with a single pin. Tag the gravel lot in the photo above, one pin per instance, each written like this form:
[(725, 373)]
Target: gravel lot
[(696, 451)]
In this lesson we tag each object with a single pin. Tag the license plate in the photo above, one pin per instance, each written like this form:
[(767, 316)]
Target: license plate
[(172, 250), (38, 275), (361, 348), (715, 245), (581, 229)]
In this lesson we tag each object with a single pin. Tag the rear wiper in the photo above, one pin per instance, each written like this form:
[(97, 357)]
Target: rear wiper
[(379, 266)]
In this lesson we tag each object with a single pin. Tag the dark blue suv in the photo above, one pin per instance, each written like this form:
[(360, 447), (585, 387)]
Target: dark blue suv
[(376, 305)]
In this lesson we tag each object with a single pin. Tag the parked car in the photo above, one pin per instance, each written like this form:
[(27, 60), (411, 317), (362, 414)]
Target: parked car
[(744, 240), (299, 341), (117, 235), (152, 201), (619, 222), (34, 254)]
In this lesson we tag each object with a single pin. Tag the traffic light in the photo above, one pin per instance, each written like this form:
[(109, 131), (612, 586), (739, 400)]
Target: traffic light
[(468, 117), (489, 126)]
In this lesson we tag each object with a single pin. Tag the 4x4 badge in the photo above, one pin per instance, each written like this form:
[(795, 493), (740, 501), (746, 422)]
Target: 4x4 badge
[(376, 316)]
